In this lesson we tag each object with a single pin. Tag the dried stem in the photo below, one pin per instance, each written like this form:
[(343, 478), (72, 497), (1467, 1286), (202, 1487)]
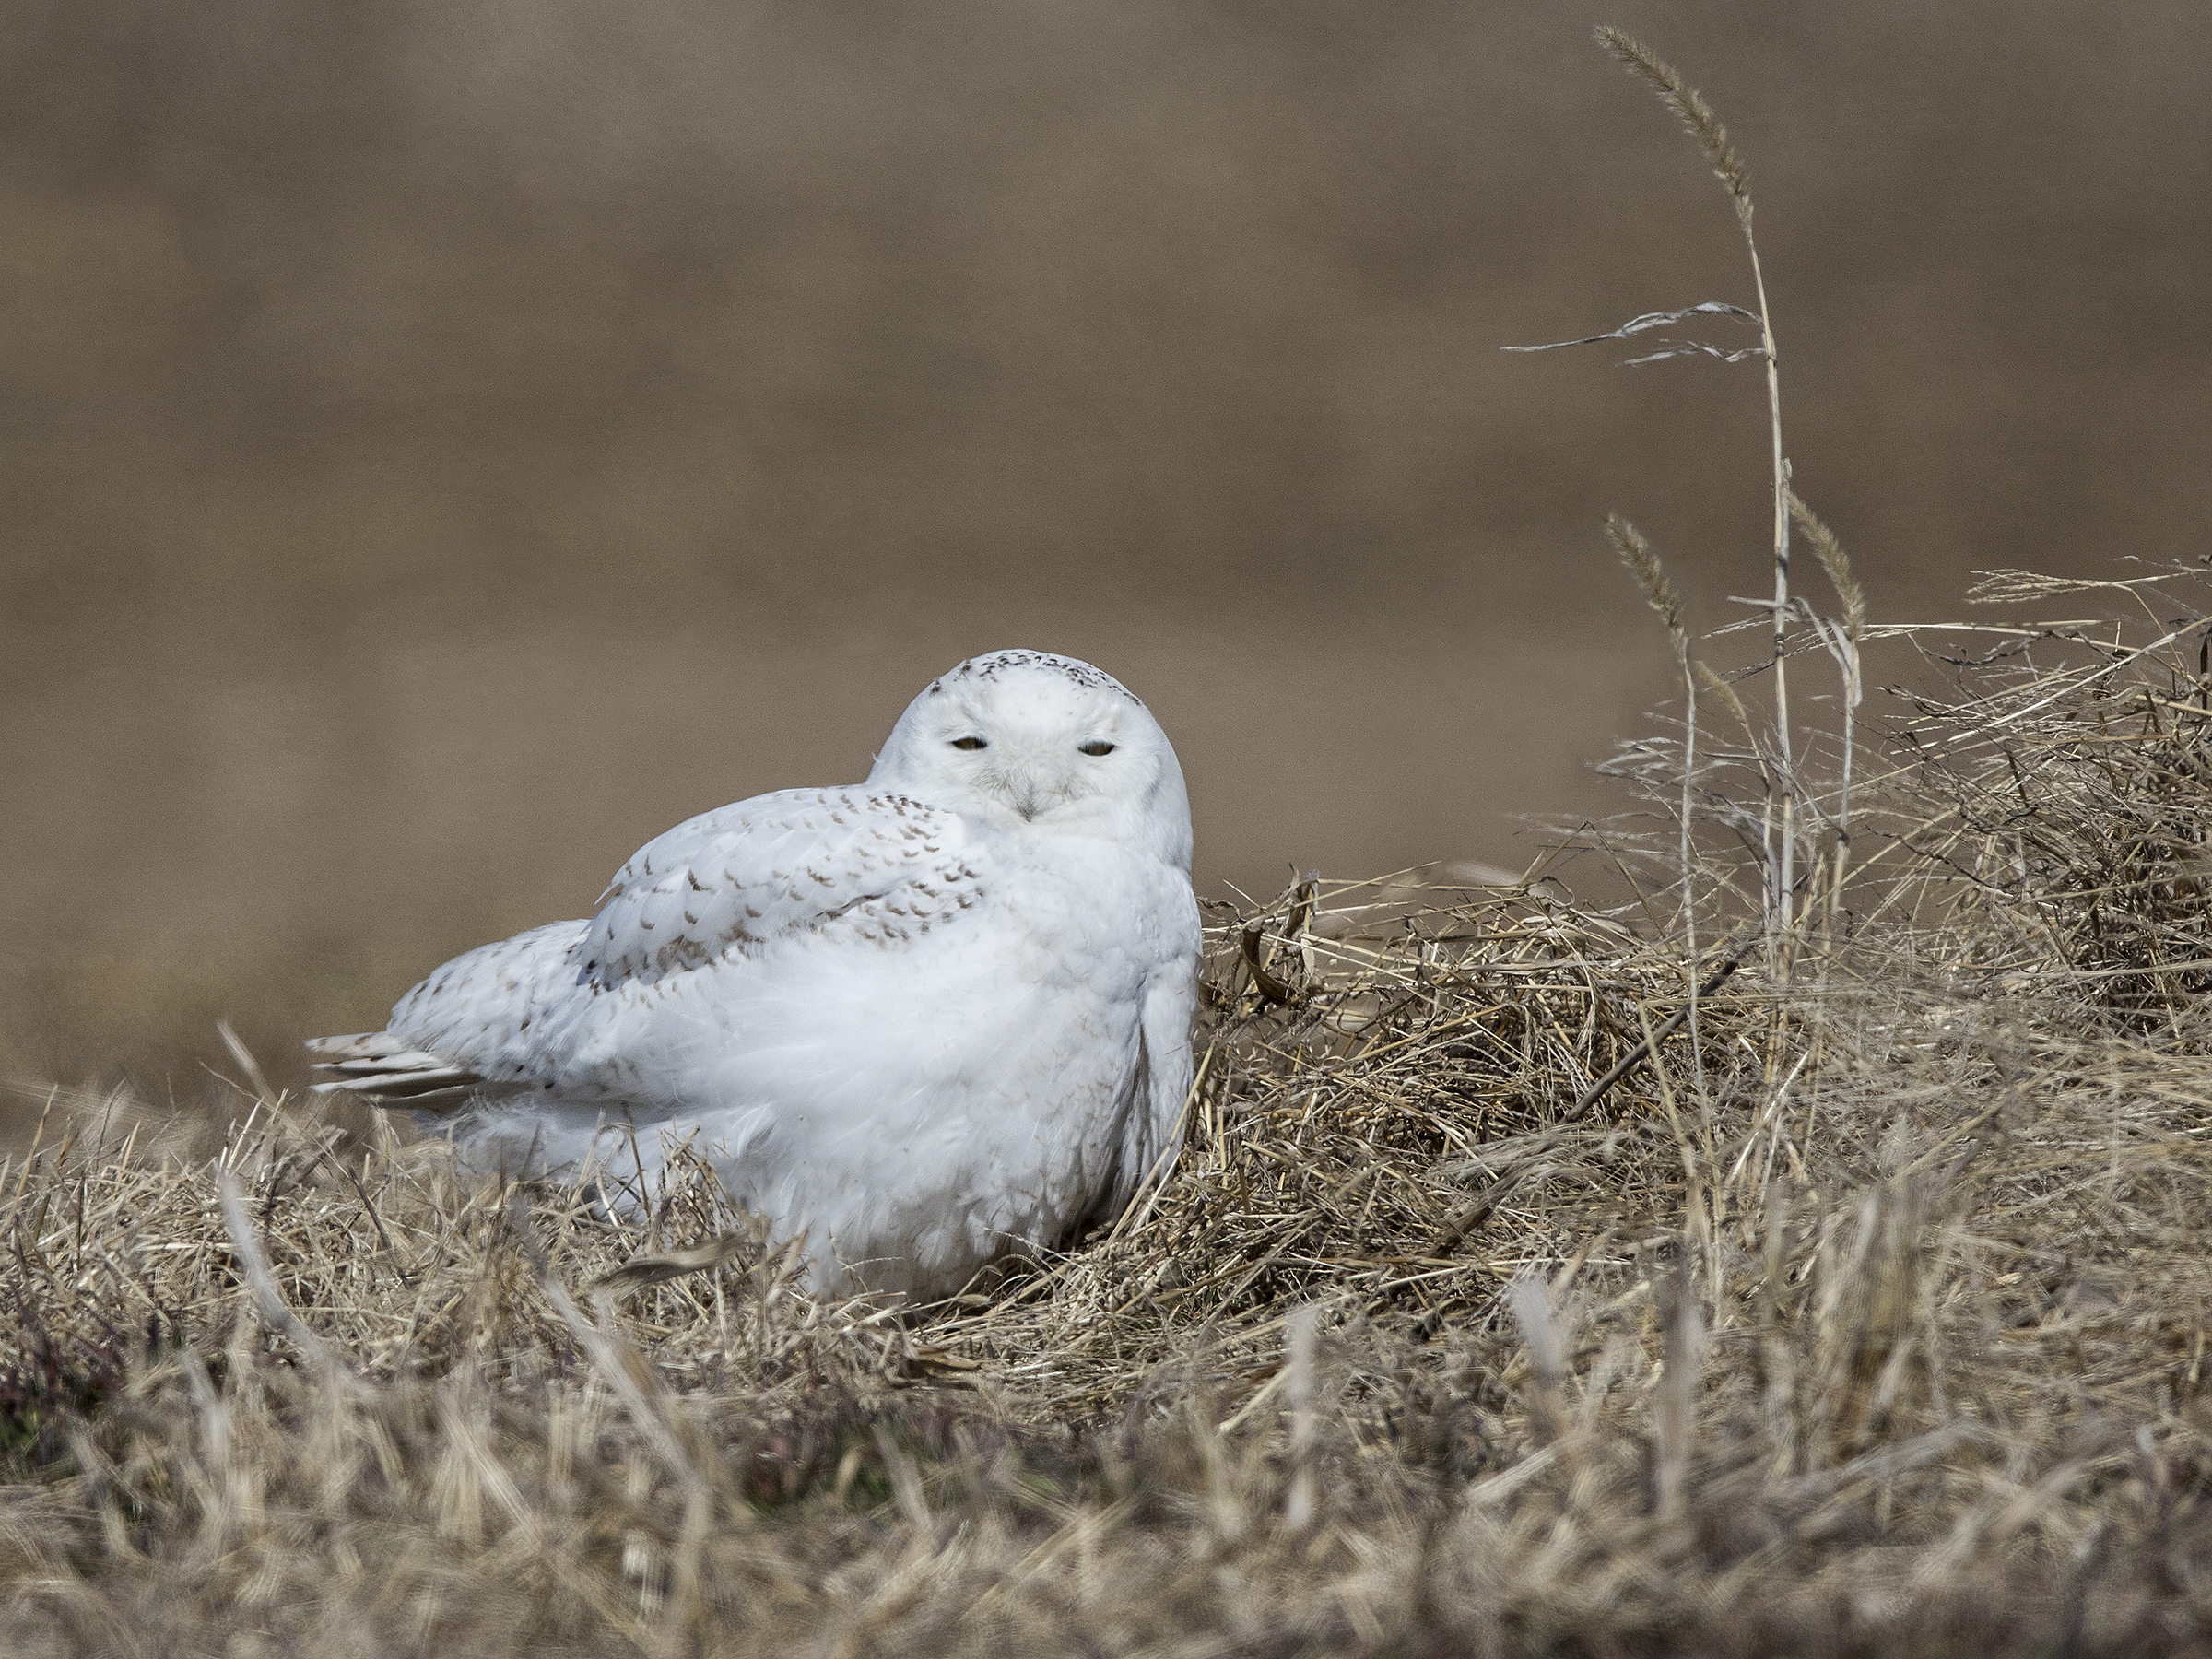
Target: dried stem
[(1697, 115), (1643, 561)]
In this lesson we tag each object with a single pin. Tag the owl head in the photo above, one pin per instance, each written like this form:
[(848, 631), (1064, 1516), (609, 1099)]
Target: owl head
[(1033, 743)]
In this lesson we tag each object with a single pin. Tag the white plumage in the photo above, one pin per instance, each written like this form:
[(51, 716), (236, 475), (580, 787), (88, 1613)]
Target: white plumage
[(923, 1020)]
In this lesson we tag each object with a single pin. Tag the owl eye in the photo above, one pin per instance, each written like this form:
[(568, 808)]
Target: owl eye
[(970, 743), (1098, 747)]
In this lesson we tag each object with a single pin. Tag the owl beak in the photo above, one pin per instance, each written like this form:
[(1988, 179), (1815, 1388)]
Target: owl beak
[(1030, 792)]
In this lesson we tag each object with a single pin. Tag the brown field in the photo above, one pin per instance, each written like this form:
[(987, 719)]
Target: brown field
[(445, 450), (442, 453)]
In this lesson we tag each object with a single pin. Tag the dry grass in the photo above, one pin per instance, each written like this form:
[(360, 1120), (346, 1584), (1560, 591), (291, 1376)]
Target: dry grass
[(1875, 1324)]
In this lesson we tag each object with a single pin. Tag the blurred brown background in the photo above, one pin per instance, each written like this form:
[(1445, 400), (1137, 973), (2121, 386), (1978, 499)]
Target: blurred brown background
[(447, 443)]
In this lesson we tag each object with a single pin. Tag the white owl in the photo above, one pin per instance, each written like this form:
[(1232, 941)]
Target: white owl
[(924, 1020)]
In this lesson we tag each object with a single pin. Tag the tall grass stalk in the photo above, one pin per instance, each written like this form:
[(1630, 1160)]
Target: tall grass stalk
[(1638, 554), (1697, 115), (1841, 643)]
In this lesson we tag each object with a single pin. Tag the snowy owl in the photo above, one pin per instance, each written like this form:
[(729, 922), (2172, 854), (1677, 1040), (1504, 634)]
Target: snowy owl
[(923, 1021)]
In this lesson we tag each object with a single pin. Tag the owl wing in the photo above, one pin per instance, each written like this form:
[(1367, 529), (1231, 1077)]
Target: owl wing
[(823, 863), (837, 867), (1153, 1130)]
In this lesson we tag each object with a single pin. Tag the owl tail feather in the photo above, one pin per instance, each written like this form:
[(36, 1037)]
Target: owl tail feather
[(384, 1071)]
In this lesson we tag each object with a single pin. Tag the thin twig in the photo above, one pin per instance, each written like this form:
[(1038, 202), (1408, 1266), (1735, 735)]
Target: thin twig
[(1674, 1022)]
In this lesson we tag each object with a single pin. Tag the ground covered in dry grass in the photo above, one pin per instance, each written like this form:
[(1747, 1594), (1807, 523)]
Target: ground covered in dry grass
[(1866, 1312)]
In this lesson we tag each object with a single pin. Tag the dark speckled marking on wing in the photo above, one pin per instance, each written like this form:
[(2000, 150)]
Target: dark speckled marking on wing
[(880, 869)]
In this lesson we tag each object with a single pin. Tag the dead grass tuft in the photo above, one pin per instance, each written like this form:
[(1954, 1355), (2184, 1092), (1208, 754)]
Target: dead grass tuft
[(1887, 1334)]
